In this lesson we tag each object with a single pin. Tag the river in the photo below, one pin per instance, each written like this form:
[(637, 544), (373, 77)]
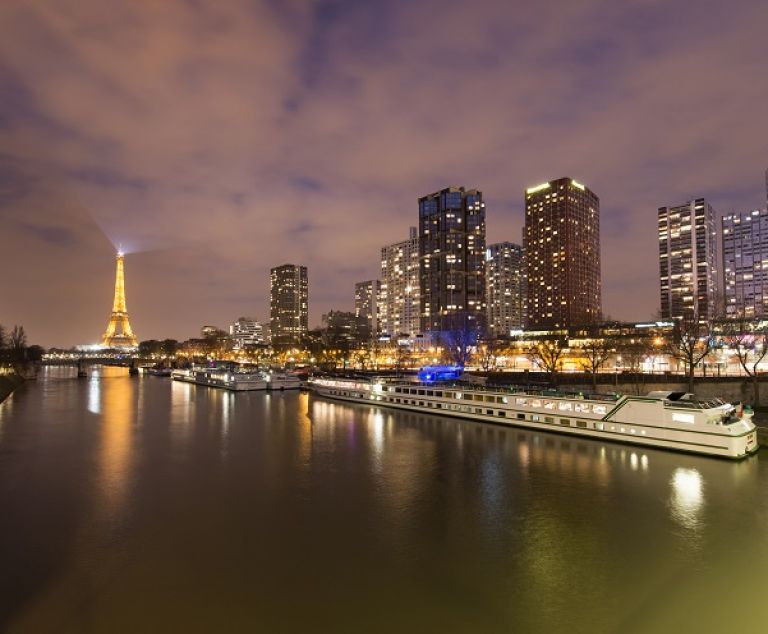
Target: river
[(138, 504)]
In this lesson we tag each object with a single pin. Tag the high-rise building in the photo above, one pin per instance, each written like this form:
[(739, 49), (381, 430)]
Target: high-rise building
[(745, 263), (504, 287), (688, 260), (452, 260), (367, 304), (399, 298), (561, 245), (288, 305)]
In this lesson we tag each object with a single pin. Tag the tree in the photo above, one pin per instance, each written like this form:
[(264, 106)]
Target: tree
[(17, 343), (633, 353), (459, 339), (548, 355), (748, 339), (2, 337), (690, 343), (487, 353), (594, 352)]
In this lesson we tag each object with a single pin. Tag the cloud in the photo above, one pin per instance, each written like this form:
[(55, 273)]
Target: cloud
[(218, 139)]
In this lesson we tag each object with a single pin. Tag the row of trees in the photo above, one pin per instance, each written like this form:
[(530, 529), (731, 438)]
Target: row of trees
[(14, 349)]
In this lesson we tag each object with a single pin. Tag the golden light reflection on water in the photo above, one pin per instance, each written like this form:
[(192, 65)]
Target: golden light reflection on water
[(115, 455), (686, 497)]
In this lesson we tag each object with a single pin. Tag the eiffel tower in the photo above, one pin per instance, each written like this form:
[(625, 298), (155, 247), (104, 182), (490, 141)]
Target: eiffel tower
[(119, 333)]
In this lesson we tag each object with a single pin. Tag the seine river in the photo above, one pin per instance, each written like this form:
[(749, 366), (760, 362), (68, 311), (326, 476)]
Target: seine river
[(143, 505)]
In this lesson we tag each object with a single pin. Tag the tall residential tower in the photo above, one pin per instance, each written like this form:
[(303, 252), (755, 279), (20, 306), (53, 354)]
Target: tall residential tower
[(504, 287), (688, 260), (288, 305), (399, 299), (745, 263), (561, 242), (367, 304), (452, 260)]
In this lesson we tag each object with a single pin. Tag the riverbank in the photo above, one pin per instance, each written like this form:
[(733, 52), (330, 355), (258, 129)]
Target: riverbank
[(8, 383)]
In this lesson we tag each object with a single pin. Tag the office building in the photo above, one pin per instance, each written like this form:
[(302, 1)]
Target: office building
[(246, 331), (745, 263), (561, 244), (288, 302), (504, 288), (688, 260), (399, 295), (452, 260)]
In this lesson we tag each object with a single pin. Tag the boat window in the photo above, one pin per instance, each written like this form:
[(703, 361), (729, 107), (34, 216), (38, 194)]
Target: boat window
[(600, 426), (521, 416), (439, 394), (503, 399), (489, 412), (549, 419), (599, 409), (421, 392), (564, 406), (683, 418), (535, 417), (582, 407), (581, 423), (565, 421), (430, 393), (500, 413), (490, 399), (535, 403), (549, 405), (521, 401)]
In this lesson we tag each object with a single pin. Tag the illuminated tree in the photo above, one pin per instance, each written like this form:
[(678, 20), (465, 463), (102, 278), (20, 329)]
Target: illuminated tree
[(749, 340), (548, 355), (690, 343)]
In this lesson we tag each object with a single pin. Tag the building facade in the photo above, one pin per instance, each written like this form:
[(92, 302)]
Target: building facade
[(246, 331), (504, 288), (399, 292), (452, 260), (688, 261), (288, 305), (367, 304), (745, 263), (561, 244)]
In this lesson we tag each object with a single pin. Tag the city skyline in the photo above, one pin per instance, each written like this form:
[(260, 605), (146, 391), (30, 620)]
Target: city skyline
[(139, 128)]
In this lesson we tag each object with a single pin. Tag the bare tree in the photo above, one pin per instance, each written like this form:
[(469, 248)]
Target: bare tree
[(690, 343), (459, 340), (633, 353), (548, 355), (593, 354), (748, 339), (487, 353)]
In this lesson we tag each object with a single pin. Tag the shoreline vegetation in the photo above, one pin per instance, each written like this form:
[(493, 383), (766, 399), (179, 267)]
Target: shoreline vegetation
[(8, 383)]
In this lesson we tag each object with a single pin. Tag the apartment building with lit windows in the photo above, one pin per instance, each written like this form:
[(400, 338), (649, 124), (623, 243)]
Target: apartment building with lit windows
[(367, 296), (561, 245), (452, 260), (688, 260), (504, 288), (399, 295), (288, 305), (745, 263)]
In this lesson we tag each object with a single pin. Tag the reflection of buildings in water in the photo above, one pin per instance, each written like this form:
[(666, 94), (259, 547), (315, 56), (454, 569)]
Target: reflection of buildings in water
[(686, 497), (94, 395), (305, 431), (182, 410)]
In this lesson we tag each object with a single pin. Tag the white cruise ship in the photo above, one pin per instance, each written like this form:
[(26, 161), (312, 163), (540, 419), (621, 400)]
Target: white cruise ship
[(668, 420)]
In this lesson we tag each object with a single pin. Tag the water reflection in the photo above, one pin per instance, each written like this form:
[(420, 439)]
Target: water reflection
[(115, 456), (687, 497)]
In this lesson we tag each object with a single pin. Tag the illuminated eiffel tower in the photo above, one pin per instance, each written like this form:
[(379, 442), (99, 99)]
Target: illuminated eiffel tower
[(119, 333)]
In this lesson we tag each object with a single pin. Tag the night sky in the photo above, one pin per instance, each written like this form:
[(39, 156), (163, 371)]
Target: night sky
[(214, 139)]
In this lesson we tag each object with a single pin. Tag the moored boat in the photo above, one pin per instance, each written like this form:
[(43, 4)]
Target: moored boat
[(668, 420), (227, 378)]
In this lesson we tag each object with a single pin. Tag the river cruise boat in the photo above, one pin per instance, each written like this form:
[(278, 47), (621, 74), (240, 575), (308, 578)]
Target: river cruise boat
[(667, 420), (222, 377), (282, 381)]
